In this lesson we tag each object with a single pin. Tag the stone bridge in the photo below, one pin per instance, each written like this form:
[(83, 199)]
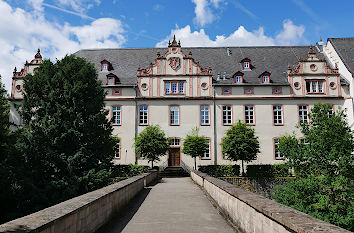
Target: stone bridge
[(144, 204)]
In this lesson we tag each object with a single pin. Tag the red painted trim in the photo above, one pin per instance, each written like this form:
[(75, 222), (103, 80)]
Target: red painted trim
[(13, 89), (116, 89), (148, 115), (121, 114), (236, 75), (210, 86), (169, 115), (232, 115), (139, 87), (190, 86), (158, 86), (150, 87), (198, 86), (282, 114), (200, 115), (184, 66), (339, 86), (327, 85), (303, 86), (226, 88), (254, 113), (251, 88), (274, 149), (158, 66)]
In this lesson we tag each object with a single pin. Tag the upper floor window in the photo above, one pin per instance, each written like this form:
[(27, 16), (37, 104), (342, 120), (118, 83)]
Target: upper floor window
[(246, 64), (277, 154), (204, 115), (314, 86), (278, 114), (249, 114), (116, 115), (226, 115), (207, 152), (226, 91), (303, 113), (174, 115), (143, 115), (174, 87), (104, 67), (265, 79), (238, 79)]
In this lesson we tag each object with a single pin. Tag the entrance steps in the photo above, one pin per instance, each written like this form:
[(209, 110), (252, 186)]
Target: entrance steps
[(174, 172)]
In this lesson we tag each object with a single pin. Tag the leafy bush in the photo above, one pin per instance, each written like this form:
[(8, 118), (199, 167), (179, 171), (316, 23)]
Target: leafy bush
[(268, 170), (329, 199), (221, 170), (128, 170)]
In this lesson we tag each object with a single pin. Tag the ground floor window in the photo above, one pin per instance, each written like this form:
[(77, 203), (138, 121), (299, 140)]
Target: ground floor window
[(117, 150), (207, 153), (277, 153)]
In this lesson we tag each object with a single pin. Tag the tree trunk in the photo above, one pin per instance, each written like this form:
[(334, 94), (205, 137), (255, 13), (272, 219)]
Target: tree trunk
[(195, 163), (243, 172), (152, 164)]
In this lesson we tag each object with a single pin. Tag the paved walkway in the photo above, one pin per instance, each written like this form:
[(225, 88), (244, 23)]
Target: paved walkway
[(175, 205)]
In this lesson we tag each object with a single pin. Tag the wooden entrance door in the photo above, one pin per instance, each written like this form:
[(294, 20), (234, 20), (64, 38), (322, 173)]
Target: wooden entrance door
[(174, 157)]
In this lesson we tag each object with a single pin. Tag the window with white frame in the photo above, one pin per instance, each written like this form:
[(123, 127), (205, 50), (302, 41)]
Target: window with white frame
[(117, 150), (277, 153), (249, 114), (207, 152), (303, 113), (266, 79), (204, 115), (143, 115), (246, 65), (104, 67), (174, 87), (314, 86), (238, 79), (227, 115), (175, 142), (116, 115), (304, 141), (174, 115), (277, 114)]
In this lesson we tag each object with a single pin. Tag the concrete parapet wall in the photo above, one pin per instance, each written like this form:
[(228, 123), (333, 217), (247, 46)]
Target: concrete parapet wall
[(85, 213), (256, 214)]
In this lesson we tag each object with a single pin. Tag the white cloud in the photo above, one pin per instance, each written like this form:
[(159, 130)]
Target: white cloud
[(23, 32), (216, 2), (203, 13), (79, 5), (291, 34)]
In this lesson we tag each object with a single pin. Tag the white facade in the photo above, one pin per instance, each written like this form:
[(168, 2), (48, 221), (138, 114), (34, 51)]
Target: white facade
[(178, 93)]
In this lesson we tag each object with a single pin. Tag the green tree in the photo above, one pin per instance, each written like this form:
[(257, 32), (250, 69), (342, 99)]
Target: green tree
[(195, 145), (323, 164), (66, 141), (240, 143), (151, 144)]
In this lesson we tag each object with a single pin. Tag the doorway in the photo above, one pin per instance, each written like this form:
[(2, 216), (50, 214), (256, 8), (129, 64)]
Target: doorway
[(174, 157)]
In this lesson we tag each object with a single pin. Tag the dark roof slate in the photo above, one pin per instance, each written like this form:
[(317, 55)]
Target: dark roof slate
[(345, 50), (274, 59)]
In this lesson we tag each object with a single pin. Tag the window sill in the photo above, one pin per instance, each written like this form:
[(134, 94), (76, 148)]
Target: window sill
[(174, 125), (116, 124), (205, 158), (117, 158), (204, 124), (278, 124), (279, 158), (143, 124)]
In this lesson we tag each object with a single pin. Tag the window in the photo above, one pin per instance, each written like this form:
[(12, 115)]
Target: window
[(303, 116), (265, 79), (117, 150), (227, 115), (277, 115), (104, 67), (314, 87), (116, 91), (249, 114), (175, 142), (204, 115), (174, 115), (304, 141), (207, 152), (116, 115), (174, 88), (277, 153), (226, 91), (204, 86), (246, 65), (143, 115), (248, 91), (238, 79), (276, 90)]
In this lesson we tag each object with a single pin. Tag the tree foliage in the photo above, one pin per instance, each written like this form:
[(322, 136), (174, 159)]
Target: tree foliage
[(66, 140), (323, 166), (240, 143), (151, 143), (195, 145)]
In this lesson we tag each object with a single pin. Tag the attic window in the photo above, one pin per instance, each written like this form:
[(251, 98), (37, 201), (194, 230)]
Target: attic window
[(265, 77), (246, 64), (112, 79), (105, 66)]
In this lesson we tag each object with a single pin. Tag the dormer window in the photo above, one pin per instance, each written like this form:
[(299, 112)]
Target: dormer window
[(238, 77), (246, 64), (265, 77), (105, 66), (112, 79)]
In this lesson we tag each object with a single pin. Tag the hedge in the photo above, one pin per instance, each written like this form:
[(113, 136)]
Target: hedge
[(268, 170), (128, 170), (221, 170)]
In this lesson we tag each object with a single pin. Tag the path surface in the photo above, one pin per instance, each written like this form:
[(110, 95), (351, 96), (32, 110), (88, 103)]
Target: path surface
[(175, 205)]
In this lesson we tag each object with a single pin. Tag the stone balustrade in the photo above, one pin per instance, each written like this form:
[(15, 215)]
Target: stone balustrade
[(85, 213), (254, 213)]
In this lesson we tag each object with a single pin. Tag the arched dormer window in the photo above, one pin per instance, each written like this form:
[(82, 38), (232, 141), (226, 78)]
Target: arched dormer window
[(105, 66), (246, 64), (265, 76), (238, 77), (112, 79)]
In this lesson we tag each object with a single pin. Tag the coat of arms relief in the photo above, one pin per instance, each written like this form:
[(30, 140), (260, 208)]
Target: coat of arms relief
[(174, 62)]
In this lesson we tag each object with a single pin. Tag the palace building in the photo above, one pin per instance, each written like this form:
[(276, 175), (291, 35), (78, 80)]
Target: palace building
[(270, 88)]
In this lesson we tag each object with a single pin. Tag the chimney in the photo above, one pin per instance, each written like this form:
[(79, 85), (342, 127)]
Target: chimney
[(218, 77), (224, 76), (228, 52), (320, 45)]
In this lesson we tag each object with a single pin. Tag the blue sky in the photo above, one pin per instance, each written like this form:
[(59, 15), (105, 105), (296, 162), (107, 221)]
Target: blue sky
[(59, 27)]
